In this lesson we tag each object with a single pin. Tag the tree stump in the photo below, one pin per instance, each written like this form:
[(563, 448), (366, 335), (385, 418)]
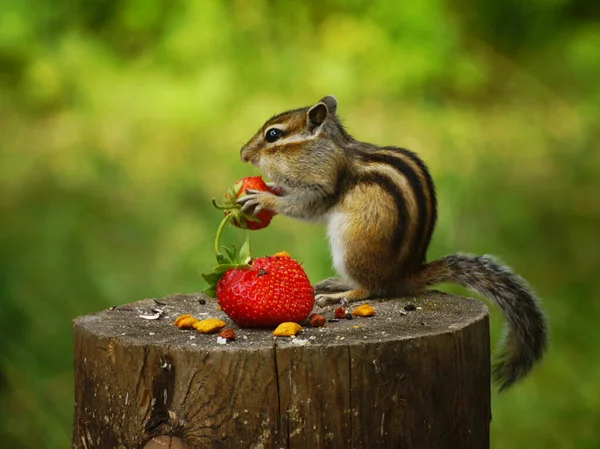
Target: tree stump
[(415, 375)]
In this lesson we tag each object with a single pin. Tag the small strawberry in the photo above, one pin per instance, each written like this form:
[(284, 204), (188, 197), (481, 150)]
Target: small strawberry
[(242, 219), (272, 290)]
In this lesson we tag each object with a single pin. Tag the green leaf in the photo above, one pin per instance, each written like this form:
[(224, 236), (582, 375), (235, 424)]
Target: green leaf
[(221, 259), (237, 187), (232, 194), (212, 278), (231, 253), (244, 254), (222, 268), (210, 291)]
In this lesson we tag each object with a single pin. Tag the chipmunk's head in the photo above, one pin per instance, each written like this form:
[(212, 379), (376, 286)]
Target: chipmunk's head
[(295, 140)]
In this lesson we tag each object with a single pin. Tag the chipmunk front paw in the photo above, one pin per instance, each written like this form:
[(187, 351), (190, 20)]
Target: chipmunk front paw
[(255, 200)]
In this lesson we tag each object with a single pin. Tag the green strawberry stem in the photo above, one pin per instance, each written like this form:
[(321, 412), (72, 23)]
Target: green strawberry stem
[(244, 254), (220, 231)]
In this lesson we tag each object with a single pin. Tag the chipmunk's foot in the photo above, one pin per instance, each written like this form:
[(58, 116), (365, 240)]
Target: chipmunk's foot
[(328, 299), (332, 285)]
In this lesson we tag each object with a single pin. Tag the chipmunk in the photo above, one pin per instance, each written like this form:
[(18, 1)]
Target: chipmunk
[(379, 205)]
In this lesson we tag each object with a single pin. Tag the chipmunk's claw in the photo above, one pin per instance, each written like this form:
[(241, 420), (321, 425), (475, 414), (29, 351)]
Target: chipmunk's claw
[(344, 298), (324, 300), (250, 202)]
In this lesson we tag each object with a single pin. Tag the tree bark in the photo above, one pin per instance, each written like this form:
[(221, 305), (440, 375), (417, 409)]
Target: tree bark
[(400, 379)]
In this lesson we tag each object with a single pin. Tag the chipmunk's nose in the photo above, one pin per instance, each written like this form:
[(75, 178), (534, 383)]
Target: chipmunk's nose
[(244, 154)]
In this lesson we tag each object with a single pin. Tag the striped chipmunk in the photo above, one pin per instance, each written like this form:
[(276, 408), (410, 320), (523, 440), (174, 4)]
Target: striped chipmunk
[(379, 206)]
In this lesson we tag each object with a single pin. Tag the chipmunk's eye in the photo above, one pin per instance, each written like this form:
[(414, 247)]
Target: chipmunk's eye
[(273, 134)]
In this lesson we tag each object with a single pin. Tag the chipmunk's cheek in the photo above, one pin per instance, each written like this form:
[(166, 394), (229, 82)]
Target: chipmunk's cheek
[(264, 169), (258, 161)]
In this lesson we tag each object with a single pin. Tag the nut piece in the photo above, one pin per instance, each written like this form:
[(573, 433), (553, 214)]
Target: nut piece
[(282, 254), (339, 313), (227, 334), (209, 325), (287, 329), (364, 310), (185, 321), (316, 320), (181, 317)]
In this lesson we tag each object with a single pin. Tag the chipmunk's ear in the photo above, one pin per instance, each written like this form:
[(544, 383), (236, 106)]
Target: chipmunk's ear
[(319, 112), (330, 102)]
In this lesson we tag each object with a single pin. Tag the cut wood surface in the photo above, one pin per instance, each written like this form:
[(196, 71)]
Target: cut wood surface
[(400, 379)]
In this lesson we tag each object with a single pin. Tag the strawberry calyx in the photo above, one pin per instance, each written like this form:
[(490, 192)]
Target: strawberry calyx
[(226, 260), (232, 208)]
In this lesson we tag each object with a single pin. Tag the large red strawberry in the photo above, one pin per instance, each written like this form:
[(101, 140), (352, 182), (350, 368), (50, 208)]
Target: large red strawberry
[(241, 219), (270, 291)]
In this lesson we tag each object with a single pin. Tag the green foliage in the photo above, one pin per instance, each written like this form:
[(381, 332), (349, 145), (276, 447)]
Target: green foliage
[(120, 120)]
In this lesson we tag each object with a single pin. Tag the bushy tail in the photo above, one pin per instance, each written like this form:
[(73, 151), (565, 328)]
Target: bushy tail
[(525, 337)]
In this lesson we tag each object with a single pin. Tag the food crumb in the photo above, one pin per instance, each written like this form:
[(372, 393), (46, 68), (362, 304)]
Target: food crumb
[(316, 320), (209, 325), (364, 310), (339, 313), (185, 321), (287, 329), (227, 334)]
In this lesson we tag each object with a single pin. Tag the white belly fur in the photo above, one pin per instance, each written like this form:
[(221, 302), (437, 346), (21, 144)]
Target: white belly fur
[(336, 227)]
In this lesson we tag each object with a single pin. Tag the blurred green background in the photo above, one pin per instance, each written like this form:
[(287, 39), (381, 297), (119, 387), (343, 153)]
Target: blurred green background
[(119, 120)]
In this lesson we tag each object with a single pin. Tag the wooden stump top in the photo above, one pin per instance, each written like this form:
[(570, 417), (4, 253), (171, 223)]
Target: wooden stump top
[(415, 375), (434, 313)]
